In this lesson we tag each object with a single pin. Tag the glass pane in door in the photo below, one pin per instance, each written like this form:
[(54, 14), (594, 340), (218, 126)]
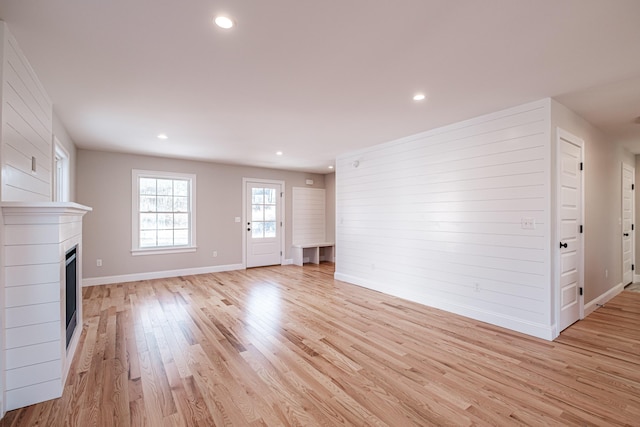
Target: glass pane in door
[(263, 213)]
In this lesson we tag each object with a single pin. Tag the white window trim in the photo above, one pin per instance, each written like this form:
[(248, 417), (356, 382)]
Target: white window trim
[(61, 187), (135, 210)]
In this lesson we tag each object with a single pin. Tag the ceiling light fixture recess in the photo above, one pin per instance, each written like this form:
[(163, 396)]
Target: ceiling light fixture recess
[(330, 167), (279, 153), (419, 97), (163, 136), (223, 22)]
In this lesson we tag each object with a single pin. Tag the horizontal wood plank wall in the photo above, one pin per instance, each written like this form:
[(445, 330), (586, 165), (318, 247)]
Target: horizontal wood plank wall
[(437, 218), (32, 315), (34, 305), (309, 222), (27, 122)]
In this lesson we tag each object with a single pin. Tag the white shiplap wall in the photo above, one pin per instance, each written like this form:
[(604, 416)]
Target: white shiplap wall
[(309, 222), (27, 124), (436, 218), (36, 239)]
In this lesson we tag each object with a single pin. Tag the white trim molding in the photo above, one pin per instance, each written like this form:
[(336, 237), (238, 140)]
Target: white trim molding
[(561, 135), (594, 304), (283, 220), (106, 280), (538, 330), (136, 174), (630, 228)]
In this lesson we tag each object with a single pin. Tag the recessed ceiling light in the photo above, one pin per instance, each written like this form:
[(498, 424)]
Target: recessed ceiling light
[(163, 136), (419, 97), (279, 153), (330, 167), (223, 22)]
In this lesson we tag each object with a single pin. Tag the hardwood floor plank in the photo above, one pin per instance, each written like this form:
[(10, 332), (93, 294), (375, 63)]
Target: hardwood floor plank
[(221, 406), (136, 403), (191, 404), (162, 388), (289, 346), (150, 400)]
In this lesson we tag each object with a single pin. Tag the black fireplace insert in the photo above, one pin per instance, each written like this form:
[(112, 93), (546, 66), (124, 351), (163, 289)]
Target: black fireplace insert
[(71, 292)]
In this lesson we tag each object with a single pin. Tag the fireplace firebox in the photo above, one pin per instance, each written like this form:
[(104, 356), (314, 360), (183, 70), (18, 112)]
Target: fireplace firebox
[(71, 293)]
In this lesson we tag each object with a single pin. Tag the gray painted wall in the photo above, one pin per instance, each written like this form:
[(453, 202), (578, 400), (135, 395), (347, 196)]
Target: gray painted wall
[(104, 183)]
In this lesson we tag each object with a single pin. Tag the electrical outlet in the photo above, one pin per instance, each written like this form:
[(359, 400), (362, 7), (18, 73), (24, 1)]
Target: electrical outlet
[(215, 254), (99, 263), (477, 289), (606, 273)]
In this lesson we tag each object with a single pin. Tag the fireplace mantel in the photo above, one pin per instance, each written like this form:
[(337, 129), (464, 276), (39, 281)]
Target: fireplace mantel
[(37, 208), (35, 356)]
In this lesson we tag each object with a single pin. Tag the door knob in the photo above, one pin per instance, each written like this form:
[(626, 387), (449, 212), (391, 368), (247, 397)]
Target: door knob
[(248, 229), (626, 234), (563, 245)]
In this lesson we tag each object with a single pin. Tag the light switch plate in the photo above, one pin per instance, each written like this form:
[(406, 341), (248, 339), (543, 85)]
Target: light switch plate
[(528, 223)]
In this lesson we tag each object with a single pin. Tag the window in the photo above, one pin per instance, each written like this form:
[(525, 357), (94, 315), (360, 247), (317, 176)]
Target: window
[(163, 212), (61, 173)]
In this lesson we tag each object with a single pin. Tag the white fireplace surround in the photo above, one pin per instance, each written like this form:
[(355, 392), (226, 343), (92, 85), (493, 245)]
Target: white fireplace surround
[(34, 357)]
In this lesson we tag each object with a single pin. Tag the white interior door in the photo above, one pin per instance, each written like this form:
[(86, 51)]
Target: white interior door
[(264, 224), (628, 177), (569, 229)]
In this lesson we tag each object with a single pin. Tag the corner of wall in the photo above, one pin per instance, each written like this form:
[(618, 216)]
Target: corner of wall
[(603, 158)]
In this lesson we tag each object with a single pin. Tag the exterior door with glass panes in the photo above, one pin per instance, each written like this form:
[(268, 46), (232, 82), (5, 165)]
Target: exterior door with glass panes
[(263, 224)]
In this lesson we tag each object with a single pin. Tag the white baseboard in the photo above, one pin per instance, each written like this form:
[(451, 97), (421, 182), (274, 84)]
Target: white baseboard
[(554, 331), (591, 306), (105, 280), (636, 278), (535, 329), (287, 261)]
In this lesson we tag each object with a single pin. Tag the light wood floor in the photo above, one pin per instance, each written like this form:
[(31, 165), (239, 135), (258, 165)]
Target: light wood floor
[(291, 346)]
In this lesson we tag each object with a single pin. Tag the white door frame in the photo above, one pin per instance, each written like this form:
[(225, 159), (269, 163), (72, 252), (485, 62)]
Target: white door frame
[(560, 135), (633, 221), (244, 215)]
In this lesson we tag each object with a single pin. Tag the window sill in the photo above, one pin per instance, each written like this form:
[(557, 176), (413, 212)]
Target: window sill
[(162, 251)]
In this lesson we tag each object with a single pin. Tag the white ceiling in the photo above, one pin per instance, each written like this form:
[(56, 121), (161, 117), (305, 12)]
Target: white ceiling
[(315, 79)]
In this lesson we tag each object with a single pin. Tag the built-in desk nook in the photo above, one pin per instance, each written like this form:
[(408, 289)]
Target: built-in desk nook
[(309, 227), (310, 252)]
